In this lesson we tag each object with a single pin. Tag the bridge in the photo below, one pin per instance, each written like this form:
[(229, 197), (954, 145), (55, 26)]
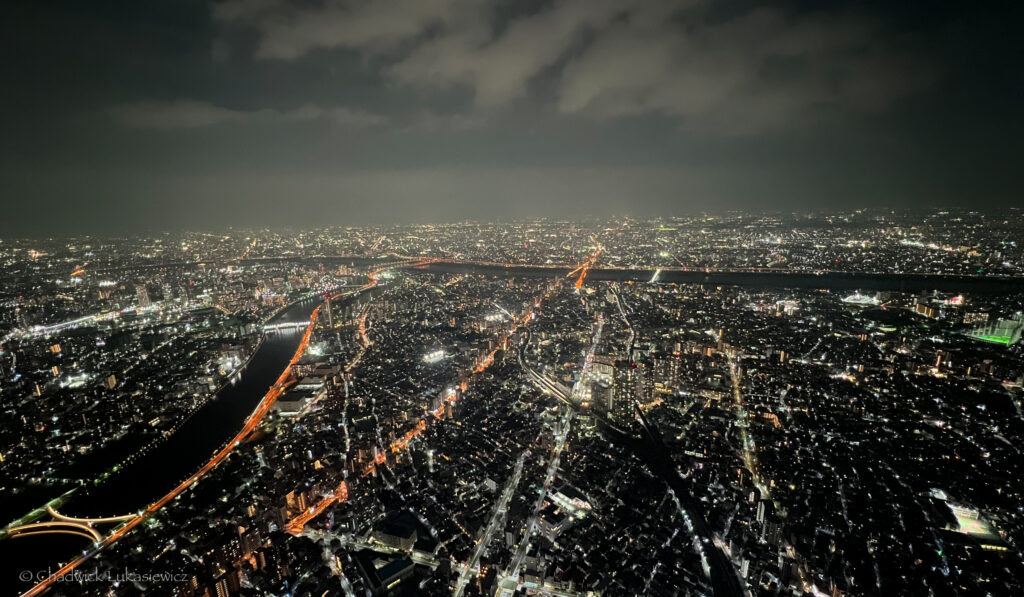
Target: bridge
[(54, 528), (68, 525), (695, 274), (132, 521), (403, 261), (286, 325), (741, 276)]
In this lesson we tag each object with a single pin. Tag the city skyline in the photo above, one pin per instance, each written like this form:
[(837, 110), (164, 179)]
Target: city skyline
[(734, 406), (511, 298)]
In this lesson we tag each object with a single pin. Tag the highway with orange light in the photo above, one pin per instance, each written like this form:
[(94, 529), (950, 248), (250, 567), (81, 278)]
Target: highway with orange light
[(296, 524), (402, 443), (582, 269), (251, 422)]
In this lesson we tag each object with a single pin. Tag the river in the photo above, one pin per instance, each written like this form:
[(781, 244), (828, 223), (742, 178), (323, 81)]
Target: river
[(839, 281), (158, 470)]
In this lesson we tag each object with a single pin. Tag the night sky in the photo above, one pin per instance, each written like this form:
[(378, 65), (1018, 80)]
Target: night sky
[(123, 117)]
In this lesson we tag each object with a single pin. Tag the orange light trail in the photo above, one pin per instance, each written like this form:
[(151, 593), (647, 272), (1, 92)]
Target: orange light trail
[(402, 443), (254, 419), (586, 266), (250, 424), (298, 523)]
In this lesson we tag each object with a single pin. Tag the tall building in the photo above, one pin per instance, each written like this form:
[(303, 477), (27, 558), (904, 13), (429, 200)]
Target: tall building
[(626, 386), (143, 295), (926, 310)]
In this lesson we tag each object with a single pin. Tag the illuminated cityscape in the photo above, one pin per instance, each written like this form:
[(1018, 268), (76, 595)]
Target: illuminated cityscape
[(511, 298), (567, 413)]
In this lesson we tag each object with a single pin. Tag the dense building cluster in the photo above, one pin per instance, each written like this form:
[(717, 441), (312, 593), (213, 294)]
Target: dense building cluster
[(98, 366), (500, 434)]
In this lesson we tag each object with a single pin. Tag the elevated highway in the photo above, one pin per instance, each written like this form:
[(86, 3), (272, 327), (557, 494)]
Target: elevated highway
[(69, 525)]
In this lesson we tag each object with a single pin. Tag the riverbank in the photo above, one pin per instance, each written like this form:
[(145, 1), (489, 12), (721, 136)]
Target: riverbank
[(174, 462)]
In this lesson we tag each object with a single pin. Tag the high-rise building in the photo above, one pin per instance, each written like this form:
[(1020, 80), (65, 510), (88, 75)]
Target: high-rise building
[(143, 295), (626, 386)]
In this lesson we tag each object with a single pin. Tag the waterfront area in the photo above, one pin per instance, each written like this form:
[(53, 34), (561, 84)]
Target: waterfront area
[(468, 427)]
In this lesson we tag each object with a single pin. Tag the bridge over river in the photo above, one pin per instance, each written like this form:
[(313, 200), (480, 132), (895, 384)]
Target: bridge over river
[(752, 277)]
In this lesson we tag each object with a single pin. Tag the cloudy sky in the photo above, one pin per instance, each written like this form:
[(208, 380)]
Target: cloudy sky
[(128, 116)]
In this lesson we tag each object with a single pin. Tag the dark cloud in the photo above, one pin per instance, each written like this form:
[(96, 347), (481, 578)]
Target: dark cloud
[(760, 69), (116, 114), (191, 113)]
